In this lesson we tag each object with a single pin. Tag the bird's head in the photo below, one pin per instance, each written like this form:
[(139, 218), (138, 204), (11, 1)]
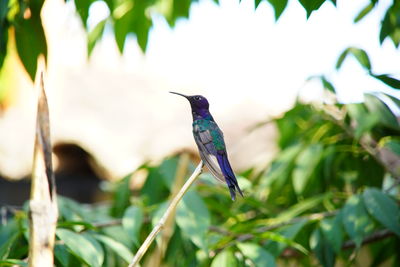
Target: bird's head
[(199, 105), (197, 102)]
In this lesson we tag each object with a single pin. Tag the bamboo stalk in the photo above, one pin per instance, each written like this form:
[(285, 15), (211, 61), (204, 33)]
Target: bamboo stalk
[(150, 238), (43, 210)]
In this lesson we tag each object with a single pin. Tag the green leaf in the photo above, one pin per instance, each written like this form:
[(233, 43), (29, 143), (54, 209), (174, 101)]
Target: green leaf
[(154, 191), (327, 84), (95, 35), (82, 247), (135, 19), (8, 235), (283, 238), (121, 197), (193, 218), (62, 255), (279, 6), (283, 162), (257, 254), (365, 120), (3, 10), (322, 249), (383, 208), (333, 232), (356, 220), (391, 24), (394, 99), (392, 143), (301, 207), (117, 247), (224, 259), (388, 80), (386, 117), (30, 41), (117, 232), (341, 58), (6, 245), (167, 170), (305, 166), (74, 223), (82, 6), (122, 23), (280, 238), (359, 54), (365, 11), (3, 36), (311, 5), (13, 262), (132, 221)]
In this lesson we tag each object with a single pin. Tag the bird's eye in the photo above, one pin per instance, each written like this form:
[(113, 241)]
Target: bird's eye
[(197, 98)]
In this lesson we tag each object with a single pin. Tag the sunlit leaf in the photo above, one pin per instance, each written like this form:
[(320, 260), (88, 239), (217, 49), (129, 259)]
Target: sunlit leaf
[(132, 221), (117, 247), (13, 262), (301, 207), (95, 35), (224, 259), (193, 218), (122, 24), (365, 11), (356, 220), (81, 247), (383, 208), (305, 165), (359, 54), (257, 254), (282, 239)]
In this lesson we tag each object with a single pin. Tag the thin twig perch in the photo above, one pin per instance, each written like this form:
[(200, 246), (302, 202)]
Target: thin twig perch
[(150, 238)]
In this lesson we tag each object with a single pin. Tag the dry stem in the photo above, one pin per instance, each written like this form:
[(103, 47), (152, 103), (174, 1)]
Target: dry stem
[(146, 244)]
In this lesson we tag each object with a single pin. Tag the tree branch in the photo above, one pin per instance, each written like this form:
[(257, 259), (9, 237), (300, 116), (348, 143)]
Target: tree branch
[(150, 238)]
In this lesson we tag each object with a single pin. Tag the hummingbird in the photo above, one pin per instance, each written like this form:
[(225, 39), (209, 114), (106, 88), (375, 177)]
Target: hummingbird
[(210, 142)]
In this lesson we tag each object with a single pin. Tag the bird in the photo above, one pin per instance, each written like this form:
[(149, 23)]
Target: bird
[(210, 142)]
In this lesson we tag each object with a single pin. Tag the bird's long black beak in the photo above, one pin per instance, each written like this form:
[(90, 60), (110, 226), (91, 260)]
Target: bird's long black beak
[(185, 96)]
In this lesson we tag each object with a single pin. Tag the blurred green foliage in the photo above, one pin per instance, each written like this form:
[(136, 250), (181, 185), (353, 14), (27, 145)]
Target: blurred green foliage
[(331, 189), (134, 17), (328, 192)]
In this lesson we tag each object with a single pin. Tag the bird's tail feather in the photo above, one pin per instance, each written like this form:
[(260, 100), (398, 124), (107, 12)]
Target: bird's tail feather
[(229, 176)]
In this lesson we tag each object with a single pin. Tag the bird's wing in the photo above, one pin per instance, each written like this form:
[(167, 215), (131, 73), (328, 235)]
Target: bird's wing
[(208, 152)]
